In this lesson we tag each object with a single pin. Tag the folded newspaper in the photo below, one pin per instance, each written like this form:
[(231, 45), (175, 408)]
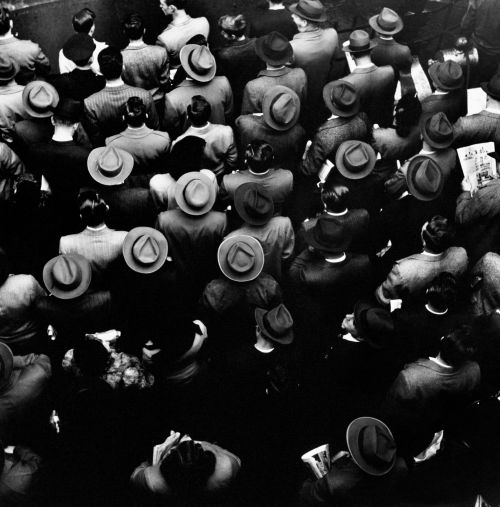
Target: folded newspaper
[(478, 167)]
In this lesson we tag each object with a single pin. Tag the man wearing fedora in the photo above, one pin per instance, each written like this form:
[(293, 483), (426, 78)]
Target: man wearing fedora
[(387, 51), (11, 96), (272, 17), (277, 124), (254, 205), (82, 81), (368, 474), (449, 96), (371, 81), (314, 49), (200, 67), (485, 125), (237, 59), (276, 52), (194, 231), (411, 275)]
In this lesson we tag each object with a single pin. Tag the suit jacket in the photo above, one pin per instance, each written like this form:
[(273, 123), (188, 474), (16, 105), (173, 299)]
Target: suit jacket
[(410, 276), (293, 78), (330, 136), (66, 65), (288, 145), (478, 128), (453, 104), (103, 111), (78, 84), (267, 20), (217, 92), (377, 82), (314, 52), (100, 247), (146, 67), (31, 59), (391, 146), (390, 52), (11, 107), (485, 297), (482, 22)]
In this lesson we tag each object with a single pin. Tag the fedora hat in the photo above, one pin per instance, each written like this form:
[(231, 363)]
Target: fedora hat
[(341, 98), (6, 365), (240, 258), (312, 10), (40, 98), (198, 62), (79, 47), (328, 235), (195, 193), (424, 178), (67, 276), (145, 249), (275, 324), (387, 22), (69, 109), (8, 68), (355, 159), (492, 87), (109, 165), (371, 445), (359, 41), (447, 75), (375, 325), (254, 204), (274, 49), (437, 130), (281, 108)]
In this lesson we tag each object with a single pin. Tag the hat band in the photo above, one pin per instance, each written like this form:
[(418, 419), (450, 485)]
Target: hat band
[(271, 112), (306, 14), (199, 70), (359, 48), (271, 330)]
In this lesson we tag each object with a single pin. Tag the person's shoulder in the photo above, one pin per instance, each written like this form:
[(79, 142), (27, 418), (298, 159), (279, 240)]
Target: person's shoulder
[(284, 175), (116, 137), (247, 120), (161, 135), (28, 45)]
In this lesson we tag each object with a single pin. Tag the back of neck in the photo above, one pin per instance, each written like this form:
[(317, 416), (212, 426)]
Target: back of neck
[(7, 35), (62, 134)]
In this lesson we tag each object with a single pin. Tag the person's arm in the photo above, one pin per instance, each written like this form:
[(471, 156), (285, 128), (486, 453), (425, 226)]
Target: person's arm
[(228, 103), (42, 63), (165, 70), (152, 121), (92, 127), (231, 155), (248, 105), (289, 243), (171, 118), (391, 288), (468, 22), (315, 158)]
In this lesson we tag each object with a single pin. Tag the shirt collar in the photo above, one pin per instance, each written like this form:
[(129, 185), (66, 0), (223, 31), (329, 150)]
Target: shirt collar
[(440, 362), (342, 213), (265, 173), (350, 338), (337, 261), (430, 254), (94, 229), (427, 307)]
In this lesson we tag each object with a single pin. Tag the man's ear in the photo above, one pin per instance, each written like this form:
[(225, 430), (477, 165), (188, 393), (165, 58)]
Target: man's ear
[(52, 121)]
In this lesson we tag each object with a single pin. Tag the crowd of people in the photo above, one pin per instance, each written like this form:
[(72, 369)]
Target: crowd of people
[(213, 260)]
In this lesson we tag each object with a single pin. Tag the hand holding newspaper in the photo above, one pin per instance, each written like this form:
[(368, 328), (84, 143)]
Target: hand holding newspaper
[(319, 461), (478, 167), (161, 450)]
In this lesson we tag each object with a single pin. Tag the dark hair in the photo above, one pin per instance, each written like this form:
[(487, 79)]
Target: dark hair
[(4, 266), (458, 346), (438, 235), (361, 54), (133, 26), (259, 156), (180, 4), (238, 27), (110, 62), (93, 208), (407, 115), (83, 20), (187, 467), (334, 196), (442, 291), (4, 20), (91, 357), (199, 110), (134, 111), (198, 39)]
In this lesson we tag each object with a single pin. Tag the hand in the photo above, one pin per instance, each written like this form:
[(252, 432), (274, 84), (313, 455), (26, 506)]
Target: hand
[(466, 186), (162, 450)]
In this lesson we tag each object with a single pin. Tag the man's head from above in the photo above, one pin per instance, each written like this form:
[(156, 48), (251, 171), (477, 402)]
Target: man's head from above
[(437, 234), (232, 27), (6, 22), (84, 21), (134, 112), (93, 208), (111, 63), (458, 346), (259, 156), (334, 196), (133, 26), (442, 292), (199, 111), (170, 7)]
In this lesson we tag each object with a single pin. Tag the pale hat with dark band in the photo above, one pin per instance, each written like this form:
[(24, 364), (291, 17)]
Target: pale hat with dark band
[(195, 193), (67, 276), (241, 258), (39, 99), (109, 165), (145, 250)]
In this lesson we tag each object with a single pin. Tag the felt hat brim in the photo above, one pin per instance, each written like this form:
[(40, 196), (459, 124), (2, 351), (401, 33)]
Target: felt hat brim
[(184, 55), (7, 359), (128, 245), (285, 58), (33, 112), (338, 248), (321, 19), (348, 49), (180, 186), (435, 78), (259, 319), (118, 179), (410, 180), (84, 284), (339, 162), (343, 113), (492, 93), (373, 22), (267, 104), (226, 269), (431, 142)]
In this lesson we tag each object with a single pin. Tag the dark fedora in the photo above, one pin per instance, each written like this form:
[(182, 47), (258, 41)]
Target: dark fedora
[(437, 130), (195, 193), (254, 204), (67, 276), (109, 165), (6, 365), (281, 108), (387, 22), (371, 445), (374, 325), (359, 41), (79, 47), (447, 75), (68, 109), (274, 48), (492, 87), (198, 62), (39, 99), (275, 324), (328, 235), (341, 98), (145, 249), (355, 159), (312, 10), (9, 69), (424, 178), (240, 258)]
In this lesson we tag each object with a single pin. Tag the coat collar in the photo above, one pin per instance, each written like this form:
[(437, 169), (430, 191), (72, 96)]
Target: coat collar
[(309, 35), (137, 133), (427, 258), (365, 70), (9, 40), (431, 365), (275, 72)]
